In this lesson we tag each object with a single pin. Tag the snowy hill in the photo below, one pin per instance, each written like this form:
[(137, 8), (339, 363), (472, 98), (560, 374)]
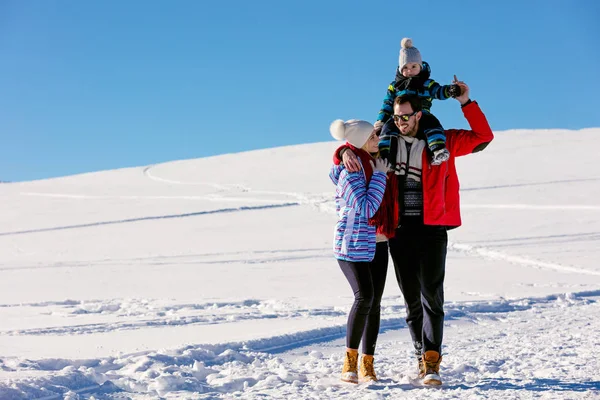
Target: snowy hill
[(214, 278)]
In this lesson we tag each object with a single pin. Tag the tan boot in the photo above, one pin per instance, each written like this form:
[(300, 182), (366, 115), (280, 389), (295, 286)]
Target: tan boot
[(349, 371), (367, 372), (430, 371)]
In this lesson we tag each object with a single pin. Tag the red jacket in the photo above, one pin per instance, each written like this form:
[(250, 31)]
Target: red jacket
[(441, 201)]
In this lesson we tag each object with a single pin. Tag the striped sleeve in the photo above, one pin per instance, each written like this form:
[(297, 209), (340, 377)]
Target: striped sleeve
[(433, 130), (359, 196), (388, 143), (437, 91), (334, 173), (387, 109)]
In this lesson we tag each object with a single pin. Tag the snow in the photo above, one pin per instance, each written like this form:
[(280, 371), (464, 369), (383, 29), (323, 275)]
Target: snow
[(214, 278)]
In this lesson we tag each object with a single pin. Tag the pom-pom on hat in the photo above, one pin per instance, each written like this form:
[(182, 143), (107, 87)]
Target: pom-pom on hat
[(408, 53), (354, 131)]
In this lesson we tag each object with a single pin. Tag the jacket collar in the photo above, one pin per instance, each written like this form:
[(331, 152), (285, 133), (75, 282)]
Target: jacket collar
[(423, 75)]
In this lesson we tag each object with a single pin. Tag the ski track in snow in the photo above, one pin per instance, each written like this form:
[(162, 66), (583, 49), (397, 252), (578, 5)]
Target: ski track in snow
[(260, 257), (530, 184), (209, 197), (525, 261), (156, 315), (218, 186), (285, 365), (244, 257), (149, 218), (320, 201)]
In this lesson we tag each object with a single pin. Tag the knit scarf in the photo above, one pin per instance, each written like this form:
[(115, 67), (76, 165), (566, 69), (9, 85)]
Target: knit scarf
[(387, 216), (415, 166)]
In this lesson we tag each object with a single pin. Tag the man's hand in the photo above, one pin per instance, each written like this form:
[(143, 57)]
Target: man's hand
[(378, 124), (350, 161), (464, 91)]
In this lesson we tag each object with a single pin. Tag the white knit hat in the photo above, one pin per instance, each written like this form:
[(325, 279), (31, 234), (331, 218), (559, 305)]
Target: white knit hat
[(354, 131), (408, 54)]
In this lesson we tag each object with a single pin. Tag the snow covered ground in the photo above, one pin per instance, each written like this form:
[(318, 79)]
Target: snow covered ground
[(214, 278)]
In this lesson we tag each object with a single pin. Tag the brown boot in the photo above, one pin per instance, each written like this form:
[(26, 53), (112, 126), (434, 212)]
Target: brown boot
[(349, 371), (430, 371), (367, 372)]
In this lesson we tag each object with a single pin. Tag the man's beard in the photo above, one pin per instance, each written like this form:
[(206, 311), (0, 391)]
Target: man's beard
[(412, 130)]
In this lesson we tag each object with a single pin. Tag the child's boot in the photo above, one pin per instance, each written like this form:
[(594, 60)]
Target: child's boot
[(349, 371), (440, 156)]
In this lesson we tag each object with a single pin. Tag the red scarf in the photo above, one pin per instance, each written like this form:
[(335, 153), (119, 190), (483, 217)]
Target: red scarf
[(366, 159), (386, 217)]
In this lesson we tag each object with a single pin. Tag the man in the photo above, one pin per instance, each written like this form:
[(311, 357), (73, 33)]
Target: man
[(425, 205)]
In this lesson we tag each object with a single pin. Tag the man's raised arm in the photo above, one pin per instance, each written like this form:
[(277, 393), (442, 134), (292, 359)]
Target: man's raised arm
[(470, 141)]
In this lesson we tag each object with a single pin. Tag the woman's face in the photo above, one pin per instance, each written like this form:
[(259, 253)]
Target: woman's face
[(372, 143)]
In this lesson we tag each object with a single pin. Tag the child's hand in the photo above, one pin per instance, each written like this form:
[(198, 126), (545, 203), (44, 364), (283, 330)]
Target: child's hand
[(454, 91), (464, 91)]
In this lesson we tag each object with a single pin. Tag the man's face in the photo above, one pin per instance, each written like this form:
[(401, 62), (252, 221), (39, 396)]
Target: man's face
[(410, 127)]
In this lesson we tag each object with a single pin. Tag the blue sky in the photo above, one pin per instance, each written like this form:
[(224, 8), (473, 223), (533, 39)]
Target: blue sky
[(93, 85)]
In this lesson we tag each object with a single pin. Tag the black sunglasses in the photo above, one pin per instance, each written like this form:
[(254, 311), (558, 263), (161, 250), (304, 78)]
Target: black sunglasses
[(403, 117)]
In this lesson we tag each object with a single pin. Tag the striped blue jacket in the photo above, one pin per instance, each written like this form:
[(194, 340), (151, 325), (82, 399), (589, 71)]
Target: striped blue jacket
[(354, 238)]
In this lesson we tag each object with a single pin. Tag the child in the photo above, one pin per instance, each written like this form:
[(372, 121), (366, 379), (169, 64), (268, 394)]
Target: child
[(412, 77), (362, 260)]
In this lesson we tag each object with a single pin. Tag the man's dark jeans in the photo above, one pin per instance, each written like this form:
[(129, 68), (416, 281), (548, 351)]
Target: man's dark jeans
[(419, 255)]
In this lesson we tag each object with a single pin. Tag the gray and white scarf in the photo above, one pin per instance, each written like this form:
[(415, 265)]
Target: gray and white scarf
[(415, 161)]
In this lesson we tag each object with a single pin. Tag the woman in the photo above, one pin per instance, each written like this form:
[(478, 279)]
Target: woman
[(362, 260)]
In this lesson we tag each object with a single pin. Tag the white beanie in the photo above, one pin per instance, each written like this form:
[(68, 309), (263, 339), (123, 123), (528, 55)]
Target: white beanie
[(354, 131), (408, 54)]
